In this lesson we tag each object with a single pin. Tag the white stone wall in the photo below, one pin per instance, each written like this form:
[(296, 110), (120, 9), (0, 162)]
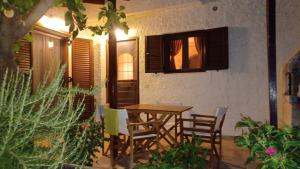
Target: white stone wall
[(288, 44), (243, 87)]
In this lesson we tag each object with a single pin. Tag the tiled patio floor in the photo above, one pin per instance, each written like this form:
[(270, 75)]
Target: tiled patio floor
[(233, 157)]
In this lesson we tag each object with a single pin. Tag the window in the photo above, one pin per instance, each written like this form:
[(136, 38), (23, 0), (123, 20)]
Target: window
[(194, 51), (125, 67), (184, 52)]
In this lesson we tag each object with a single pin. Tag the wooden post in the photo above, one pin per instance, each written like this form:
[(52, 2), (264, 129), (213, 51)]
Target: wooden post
[(112, 74), (271, 43), (112, 84)]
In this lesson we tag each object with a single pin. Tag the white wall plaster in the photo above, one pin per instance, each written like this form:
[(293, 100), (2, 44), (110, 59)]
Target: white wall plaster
[(243, 87), (288, 44)]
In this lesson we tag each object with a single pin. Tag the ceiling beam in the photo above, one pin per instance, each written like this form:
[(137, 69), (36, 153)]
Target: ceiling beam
[(94, 1)]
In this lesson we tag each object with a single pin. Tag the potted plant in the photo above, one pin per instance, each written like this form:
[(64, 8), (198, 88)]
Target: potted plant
[(187, 155), (270, 148)]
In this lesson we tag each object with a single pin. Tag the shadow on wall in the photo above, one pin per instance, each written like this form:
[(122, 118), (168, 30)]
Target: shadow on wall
[(207, 1), (239, 57)]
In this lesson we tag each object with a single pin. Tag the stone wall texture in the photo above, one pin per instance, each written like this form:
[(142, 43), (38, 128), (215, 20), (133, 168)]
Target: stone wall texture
[(243, 87), (288, 44)]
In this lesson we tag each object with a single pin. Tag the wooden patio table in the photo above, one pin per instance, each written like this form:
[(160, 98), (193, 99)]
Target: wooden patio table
[(166, 113)]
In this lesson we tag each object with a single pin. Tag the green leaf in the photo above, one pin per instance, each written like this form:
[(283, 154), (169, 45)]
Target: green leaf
[(69, 18), (75, 33), (71, 4), (122, 8)]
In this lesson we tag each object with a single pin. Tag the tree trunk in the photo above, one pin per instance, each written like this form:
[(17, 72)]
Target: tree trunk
[(7, 60)]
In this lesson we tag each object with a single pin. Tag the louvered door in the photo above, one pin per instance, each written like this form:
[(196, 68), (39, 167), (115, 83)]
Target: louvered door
[(82, 72), (24, 56)]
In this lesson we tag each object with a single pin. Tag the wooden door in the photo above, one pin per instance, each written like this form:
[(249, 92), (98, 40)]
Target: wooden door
[(127, 73), (82, 72)]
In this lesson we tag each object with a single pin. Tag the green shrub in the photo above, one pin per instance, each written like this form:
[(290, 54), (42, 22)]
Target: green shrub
[(272, 148), (90, 145), (34, 127), (187, 155)]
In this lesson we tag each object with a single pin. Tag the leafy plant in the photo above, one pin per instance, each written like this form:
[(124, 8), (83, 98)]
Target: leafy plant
[(110, 18), (187, 155), (20, 15), (272, 148), (90, 145), (34, 126)]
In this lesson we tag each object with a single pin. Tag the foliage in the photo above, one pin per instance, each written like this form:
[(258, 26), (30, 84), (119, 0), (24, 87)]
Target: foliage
[(20, 6), (187, 155), (89, 145), (34, 126), (272, 148), (75, 16), (109, 19)]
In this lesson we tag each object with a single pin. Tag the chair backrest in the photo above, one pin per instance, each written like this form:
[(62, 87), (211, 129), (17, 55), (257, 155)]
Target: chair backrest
[(115, 121), (220, 114), (99, 113), (123, 118)]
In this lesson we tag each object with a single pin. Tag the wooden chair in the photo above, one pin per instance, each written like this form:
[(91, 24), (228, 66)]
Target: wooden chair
[(209, 128), (140, 135)]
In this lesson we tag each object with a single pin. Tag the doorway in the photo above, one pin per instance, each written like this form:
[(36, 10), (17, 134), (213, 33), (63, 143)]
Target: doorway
[(127, 72)]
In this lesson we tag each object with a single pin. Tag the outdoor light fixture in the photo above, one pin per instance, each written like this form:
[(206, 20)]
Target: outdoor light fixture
[(53, 23), (50, 44), (121, 35)]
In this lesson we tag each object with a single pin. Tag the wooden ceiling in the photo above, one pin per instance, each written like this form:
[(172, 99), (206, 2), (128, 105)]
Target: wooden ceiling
[(94, 1)]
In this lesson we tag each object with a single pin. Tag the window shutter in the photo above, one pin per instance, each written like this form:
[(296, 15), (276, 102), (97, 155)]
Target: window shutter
[(23, 57), (154, 54), (82, 72), (216, 54)]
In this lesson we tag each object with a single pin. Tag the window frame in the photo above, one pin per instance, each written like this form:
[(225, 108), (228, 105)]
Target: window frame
[(184, 36)]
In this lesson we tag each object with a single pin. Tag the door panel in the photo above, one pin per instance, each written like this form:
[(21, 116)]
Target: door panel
[(128, 72), (128, 93), (82, 72)]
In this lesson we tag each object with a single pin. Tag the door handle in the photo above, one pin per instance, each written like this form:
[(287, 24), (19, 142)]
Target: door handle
[(70, 79)]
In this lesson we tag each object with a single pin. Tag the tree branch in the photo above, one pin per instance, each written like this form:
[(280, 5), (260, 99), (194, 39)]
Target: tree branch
[(36, 13)]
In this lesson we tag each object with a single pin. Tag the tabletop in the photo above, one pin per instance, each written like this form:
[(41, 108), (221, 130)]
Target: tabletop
[(158, 108)]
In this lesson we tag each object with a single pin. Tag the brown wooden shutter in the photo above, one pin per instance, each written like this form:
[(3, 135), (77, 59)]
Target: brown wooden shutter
[(24, 56), (82, 71), (154, 54), (216, 49)]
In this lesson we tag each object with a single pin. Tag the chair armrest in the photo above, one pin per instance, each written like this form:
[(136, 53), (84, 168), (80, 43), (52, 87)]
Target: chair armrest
[(205, 116), (199, 121)]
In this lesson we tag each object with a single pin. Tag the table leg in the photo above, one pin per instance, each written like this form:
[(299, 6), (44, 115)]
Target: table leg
[(166, 133)]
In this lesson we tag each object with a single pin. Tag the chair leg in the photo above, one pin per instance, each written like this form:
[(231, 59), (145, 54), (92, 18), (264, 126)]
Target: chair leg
[(131, 147), (220, 146)]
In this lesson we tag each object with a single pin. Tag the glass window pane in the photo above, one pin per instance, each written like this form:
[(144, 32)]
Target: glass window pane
[(195, 50), (176, 54), (125, 67)]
